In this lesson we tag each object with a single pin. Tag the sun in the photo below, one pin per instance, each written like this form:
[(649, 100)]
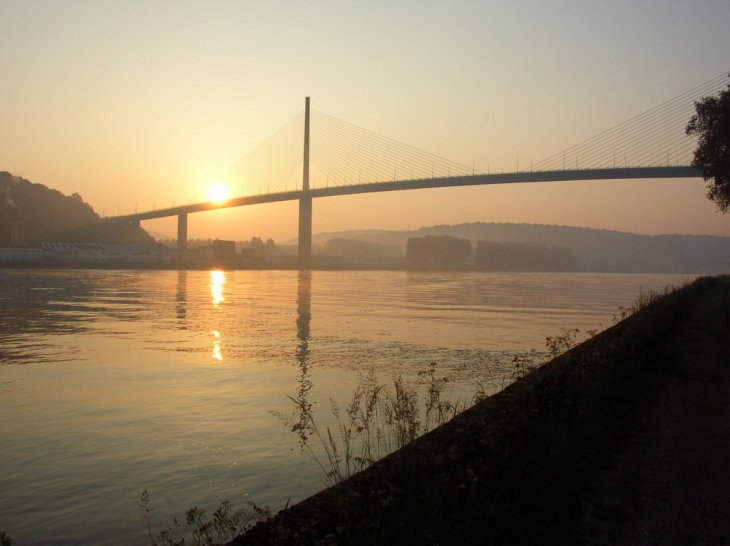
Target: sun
[(217, 193)]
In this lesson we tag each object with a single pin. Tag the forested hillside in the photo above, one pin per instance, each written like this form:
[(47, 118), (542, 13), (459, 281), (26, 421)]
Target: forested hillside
[(49, 215), (594, 249)]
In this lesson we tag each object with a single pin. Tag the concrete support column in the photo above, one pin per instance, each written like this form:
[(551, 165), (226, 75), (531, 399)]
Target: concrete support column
[(182, 231), (305, 203), (305, 232)]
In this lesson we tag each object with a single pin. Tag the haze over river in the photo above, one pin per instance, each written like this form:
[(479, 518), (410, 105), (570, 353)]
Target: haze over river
[(112, 382)]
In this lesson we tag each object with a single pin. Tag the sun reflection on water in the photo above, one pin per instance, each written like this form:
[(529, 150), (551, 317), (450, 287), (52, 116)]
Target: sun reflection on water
[(217, 345), (217, 280)]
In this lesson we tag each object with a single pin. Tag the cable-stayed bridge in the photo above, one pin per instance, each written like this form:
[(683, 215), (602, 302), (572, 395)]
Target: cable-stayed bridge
[(339, 158)]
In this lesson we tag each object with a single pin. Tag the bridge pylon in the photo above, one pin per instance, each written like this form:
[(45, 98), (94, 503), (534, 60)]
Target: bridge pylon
[(305, 203), (182, 231)]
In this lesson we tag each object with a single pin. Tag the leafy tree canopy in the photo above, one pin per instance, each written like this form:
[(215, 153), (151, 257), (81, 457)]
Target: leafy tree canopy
[(524, 256), (711, 125), (49, 215), (437, 251), (354, 248)]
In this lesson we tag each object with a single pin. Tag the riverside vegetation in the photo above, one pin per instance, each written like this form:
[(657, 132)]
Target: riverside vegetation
[(225, 525), (512, 468), (380, 420)]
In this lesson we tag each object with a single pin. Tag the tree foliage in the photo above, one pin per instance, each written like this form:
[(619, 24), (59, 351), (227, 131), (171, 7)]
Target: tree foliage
[(525, 256), (263, 249), (437, 251), (354, 248), (711, 125), (50, 215)]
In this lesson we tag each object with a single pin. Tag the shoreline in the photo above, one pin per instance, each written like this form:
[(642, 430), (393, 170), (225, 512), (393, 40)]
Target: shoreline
[(518, 467), (315, 267)]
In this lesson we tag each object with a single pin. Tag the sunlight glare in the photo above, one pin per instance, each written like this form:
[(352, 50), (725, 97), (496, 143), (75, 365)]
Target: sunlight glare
[(217, 193), (217, 280), (217, 346)]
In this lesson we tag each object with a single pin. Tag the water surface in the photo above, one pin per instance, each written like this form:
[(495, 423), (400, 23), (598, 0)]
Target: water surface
[(112, 382)]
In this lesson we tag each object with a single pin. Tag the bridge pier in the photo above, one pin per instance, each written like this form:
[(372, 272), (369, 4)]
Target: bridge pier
[(305, 203), (305, 232), (182, 231)]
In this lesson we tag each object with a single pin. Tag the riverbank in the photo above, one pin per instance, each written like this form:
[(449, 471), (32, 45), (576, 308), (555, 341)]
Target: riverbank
[(533, 463), (264, 265)]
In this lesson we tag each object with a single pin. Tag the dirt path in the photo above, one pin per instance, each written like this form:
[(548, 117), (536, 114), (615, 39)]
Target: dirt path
[(668, 482)]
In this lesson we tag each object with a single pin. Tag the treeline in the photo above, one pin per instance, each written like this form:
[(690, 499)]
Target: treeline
[(261, 249), (347, 249), (524, 257), (49, 215), (446, 252), (437, 252), (353, 249)]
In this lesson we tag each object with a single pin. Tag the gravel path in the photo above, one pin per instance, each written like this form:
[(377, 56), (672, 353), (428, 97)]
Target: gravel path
[(668, 482)]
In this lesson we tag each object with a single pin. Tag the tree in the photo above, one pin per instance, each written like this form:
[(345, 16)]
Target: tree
[(442, 252), (354, 249), (526, 256), (711, 124), (50, 215), (263, 249)]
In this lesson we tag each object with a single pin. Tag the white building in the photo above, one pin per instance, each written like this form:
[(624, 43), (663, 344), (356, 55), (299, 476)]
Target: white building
[(24, 255), (135, 253)]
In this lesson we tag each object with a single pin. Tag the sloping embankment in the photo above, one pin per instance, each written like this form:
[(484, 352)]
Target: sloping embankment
[(512, 469)]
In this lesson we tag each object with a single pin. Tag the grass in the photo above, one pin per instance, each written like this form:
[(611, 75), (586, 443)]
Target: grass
[(516, 479), (511, 469), (719, 319), (645, 299), (225, 524), (378, 420), (511, 473), (381, 418)]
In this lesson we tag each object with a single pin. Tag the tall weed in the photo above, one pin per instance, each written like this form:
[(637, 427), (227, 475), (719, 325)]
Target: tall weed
[(646, 298), (524, 363), (378, 420), (225, 525)]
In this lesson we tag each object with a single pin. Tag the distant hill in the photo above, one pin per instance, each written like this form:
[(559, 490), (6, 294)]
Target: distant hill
[(594, 249), (49, 215), (158, 235)]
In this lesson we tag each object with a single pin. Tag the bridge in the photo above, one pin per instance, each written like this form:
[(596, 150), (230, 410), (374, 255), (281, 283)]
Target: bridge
[(353, 161)]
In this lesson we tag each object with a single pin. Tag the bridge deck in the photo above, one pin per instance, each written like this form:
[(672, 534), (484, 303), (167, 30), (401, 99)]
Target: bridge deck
[(442, 182)]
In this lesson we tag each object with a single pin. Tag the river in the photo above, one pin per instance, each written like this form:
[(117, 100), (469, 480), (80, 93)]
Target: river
[(113, 382)]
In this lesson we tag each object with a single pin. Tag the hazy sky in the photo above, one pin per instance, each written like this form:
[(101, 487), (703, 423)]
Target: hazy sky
[(134, 104)]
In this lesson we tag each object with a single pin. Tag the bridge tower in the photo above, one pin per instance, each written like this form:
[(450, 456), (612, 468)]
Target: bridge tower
[(182, 231), (305, 203)]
